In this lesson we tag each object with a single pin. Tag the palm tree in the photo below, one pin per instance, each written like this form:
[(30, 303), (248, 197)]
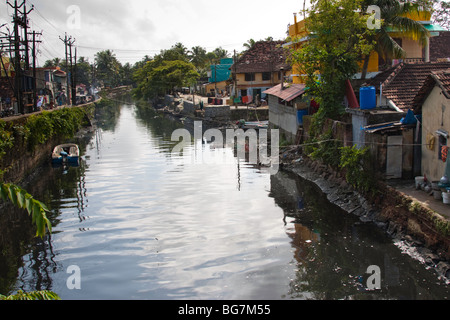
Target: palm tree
[(198, 57), (55, 62), (249, 44), (393, 14), (108, 67)]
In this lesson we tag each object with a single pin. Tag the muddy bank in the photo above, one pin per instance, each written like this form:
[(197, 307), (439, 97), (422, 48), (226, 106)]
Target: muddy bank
[(415, 230)]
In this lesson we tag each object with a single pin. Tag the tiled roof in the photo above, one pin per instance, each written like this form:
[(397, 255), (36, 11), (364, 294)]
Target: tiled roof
[(440, 78), (443, 79), (440, 46), (401, 83), (264, 56), (288, 93)]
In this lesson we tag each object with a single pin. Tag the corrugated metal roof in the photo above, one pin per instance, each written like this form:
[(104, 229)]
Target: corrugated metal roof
[(289, 93)]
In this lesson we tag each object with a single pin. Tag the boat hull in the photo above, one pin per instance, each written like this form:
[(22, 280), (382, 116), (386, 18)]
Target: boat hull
[(66, 153)]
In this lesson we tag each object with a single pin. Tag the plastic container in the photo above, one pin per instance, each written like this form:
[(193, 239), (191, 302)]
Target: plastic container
[(300, 114), (367, 98), (446, 197), (419, 180)]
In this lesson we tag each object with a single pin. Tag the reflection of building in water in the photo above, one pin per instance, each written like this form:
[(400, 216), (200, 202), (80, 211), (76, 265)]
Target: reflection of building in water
[(287, 195), (302, 238)]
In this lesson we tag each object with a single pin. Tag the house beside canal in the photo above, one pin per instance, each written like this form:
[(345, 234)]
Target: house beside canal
[(287, 106), (219, 78), (261, 67), (389, 126), (432, 102)]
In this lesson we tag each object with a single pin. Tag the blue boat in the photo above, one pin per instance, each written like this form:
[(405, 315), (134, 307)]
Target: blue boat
[(66, 153)]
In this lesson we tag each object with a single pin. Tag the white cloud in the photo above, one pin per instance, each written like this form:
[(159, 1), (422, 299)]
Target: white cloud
[(135, 28)]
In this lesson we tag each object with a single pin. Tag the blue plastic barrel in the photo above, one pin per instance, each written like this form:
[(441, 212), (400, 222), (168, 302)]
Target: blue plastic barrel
[(300, 114), (367, 97)]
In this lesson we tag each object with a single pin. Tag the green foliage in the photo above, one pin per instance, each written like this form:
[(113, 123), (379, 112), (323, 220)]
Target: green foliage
[(6, 139), (338, 40), (175, 67), (40, 128), (34, 295), (36, 209), (356, 163), (108, 68), (326, 149), (158, 77), (442, 225), (63, 123)]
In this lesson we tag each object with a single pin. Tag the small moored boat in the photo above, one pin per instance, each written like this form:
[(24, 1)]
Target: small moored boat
[(66, 153)]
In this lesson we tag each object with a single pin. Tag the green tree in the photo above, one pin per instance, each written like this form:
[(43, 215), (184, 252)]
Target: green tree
[(108, 68), (249, 44), (338, 39), (159, 77), (83, 71), (441, 13), (55, 62), (199, 58), (394, 18)]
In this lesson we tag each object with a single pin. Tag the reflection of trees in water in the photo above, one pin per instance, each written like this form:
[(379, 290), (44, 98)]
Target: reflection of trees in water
[(333, 250), (107, 114), (159, 127), (27, 262)]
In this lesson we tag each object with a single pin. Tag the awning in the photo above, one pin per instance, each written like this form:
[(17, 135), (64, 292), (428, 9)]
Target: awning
[(430, 27), (289, 93)]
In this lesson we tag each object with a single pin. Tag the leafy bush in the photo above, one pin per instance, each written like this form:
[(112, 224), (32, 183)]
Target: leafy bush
[(356, 163), (63, 123), (6, 139), (22, 199), (325, 148)]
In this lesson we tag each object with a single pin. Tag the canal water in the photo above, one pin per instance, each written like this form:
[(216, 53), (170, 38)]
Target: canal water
[(136, 221)]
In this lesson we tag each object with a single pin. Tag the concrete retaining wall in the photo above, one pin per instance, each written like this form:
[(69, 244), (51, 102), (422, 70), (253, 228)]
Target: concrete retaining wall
[(218, 113)]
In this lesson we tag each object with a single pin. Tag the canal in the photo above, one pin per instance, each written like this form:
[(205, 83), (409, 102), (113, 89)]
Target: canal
[(136, 221)]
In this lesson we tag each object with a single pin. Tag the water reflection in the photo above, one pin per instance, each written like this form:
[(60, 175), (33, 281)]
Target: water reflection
[(334, 249), (142, 223)]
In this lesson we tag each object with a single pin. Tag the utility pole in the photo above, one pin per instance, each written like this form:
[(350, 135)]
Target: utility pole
[(25, 26), (23, 23), (74, 80), (17, 70), (68, 42), (34, 69)]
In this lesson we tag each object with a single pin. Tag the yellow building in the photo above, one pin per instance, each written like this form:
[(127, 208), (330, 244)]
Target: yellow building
[(299, 34), (6, 64), (258, 69)]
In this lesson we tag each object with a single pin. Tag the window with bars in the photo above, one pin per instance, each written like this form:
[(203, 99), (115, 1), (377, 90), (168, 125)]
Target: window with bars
[(249, 77)]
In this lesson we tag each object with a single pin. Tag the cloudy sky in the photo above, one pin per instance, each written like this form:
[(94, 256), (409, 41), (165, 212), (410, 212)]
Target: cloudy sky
[(135, 28)]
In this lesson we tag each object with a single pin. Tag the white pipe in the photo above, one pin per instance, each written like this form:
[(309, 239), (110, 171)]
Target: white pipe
[(393, 106)]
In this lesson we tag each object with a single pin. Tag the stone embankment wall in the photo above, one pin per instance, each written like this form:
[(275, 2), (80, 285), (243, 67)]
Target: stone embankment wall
[(188, 107), (217, 113), (416, 230), (22, 161)]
